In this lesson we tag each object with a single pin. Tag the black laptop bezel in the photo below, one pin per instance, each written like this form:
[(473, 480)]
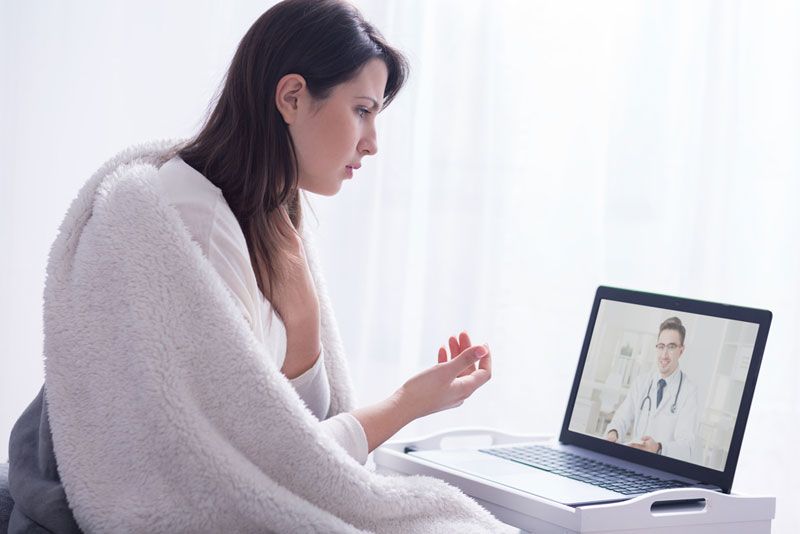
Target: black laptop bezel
[(722, 479)]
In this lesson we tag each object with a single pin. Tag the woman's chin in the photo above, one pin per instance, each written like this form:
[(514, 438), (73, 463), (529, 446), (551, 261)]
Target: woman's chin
[(327, 190)]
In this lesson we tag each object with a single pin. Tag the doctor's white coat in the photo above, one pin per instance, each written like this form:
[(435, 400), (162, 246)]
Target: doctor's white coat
[(675, 431)]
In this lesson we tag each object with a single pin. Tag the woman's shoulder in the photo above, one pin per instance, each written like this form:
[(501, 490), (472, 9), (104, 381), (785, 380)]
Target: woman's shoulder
[(182, 184), (198, 201)]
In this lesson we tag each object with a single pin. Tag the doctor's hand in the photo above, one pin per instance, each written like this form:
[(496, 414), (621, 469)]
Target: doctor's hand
[(612, 436), (449, 383), (647, 444)]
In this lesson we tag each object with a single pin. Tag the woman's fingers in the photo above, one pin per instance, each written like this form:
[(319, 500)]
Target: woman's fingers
[(467, 358), (464, 342), (453, 380), (458, 346), (472, 381), (454, 349), (486, 362), (468, 384)]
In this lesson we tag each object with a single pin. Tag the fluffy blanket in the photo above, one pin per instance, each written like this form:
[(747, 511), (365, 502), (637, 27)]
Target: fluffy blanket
[(165, 414)]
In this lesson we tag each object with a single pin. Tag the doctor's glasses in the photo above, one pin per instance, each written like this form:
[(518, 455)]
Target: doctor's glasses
[(671, 348)]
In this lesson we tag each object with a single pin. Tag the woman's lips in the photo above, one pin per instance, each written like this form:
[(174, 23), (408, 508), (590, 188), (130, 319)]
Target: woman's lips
[(350, 169)]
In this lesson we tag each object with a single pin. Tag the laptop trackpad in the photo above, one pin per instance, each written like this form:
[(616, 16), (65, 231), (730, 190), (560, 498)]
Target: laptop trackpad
[(519, 476)]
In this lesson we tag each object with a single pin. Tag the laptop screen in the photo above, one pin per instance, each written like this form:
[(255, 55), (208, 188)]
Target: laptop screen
[(667, 380)]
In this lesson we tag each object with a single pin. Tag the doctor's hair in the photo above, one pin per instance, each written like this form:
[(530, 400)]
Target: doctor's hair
[(673, 323), (244, 146)]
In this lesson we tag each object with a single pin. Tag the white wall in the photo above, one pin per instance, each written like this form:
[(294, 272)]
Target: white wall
[(81, 81)]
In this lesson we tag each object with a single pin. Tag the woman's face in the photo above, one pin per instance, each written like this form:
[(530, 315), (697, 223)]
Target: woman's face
[(331, 136)]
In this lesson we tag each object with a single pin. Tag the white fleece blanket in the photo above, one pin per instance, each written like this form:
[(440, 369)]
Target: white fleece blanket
[(165, 415)]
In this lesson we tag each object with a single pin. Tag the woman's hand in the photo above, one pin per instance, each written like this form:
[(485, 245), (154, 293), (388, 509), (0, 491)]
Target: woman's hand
[(450, 382), (443, 386), (457, 346)]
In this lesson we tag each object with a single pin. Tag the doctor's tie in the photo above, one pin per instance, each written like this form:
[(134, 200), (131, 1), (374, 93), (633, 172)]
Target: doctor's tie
[(661, 384)]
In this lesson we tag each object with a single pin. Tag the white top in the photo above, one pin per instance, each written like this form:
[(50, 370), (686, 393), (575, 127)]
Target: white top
[(212, 224), (641, 415)]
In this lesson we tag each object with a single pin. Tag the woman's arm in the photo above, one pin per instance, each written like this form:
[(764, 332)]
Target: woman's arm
[(383, 420), (443, 386)]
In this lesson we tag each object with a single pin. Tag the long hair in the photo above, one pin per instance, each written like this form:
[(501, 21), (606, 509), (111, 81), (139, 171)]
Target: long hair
[(244, 146)]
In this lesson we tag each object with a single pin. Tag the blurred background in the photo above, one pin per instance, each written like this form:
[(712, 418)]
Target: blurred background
[(540, 149)]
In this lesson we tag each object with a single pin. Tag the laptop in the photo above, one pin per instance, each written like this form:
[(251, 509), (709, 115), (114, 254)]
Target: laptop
[(660, 399)]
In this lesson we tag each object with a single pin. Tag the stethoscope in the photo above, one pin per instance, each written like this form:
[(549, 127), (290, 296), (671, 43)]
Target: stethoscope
[(650, 400)]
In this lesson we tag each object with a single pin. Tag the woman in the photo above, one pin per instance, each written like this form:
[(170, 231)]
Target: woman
[(297, 112), (182, 294)]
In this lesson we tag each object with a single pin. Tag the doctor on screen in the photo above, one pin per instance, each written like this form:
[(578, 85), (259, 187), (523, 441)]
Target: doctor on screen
[(660, 410)]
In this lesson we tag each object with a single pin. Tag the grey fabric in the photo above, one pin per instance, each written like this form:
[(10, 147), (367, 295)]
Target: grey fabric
[(6, 502), (39, 501)]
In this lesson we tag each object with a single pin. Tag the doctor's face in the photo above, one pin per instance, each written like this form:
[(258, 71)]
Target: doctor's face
[(668, 351)]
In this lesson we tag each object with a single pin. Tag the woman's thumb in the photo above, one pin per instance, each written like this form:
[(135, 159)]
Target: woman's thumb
[(469, 356)]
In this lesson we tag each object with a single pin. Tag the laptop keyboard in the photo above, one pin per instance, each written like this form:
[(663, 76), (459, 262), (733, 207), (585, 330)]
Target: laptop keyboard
[(584, 469)]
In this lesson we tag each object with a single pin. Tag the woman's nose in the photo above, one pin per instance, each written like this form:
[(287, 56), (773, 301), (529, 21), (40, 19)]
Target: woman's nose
[(368, 145)]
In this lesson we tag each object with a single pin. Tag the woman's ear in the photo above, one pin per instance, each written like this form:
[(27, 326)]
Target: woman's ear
[(287, 96)]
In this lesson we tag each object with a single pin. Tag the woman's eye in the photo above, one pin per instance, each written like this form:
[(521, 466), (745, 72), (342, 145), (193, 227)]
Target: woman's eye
[(362, 112)]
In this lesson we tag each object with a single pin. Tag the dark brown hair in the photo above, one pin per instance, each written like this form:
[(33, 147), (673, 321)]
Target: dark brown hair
[(244, 146), (673, 323)]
